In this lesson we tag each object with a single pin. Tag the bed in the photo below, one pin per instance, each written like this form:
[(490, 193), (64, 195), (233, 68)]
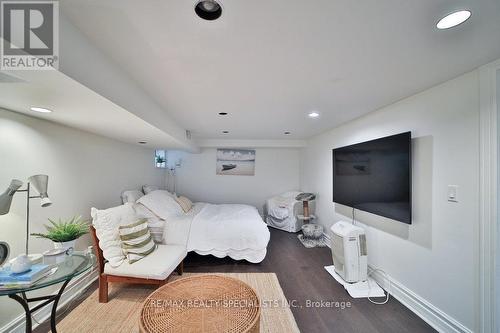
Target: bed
[(232, 230)]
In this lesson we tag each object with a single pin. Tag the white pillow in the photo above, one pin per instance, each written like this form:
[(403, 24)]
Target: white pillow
[(155, 224), (162, 204), (185, 203), (131, 196), (106, 223), (143, 212), (149, 188), (156, 229)]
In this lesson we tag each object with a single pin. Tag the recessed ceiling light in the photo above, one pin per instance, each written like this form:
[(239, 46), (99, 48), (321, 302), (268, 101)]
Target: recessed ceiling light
[(222, 113), (142, 142), (225, 132), (208, 10), (453, 19), (42, 110), (313, 114), (287, 133)]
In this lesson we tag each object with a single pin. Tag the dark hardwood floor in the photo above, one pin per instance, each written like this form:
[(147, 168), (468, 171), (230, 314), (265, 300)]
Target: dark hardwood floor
[(302, 277)]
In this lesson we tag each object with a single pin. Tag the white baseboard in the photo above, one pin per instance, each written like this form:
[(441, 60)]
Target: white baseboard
[(328, 240), (433, 316), (73, 290)]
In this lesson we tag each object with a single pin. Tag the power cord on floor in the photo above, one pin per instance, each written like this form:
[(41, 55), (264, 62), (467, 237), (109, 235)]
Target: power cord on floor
[(388, 292)]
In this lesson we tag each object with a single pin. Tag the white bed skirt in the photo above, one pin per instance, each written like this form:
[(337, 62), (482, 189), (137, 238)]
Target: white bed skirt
[(253, 256)]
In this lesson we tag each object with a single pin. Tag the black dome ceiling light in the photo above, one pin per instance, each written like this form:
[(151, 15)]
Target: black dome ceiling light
[(208, 9)]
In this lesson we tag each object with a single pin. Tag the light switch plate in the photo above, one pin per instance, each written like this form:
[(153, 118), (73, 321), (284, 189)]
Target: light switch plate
[(453, 193)]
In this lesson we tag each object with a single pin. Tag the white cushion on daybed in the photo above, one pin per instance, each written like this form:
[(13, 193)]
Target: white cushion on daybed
[(156, 266), (106, 223)]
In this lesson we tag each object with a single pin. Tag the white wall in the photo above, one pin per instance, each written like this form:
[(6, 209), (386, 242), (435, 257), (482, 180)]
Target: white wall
[(497, 285), (84, 170), (434, 256), (276, 171)]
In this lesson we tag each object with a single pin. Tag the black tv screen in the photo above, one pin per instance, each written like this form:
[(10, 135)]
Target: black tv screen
[(375, 176)]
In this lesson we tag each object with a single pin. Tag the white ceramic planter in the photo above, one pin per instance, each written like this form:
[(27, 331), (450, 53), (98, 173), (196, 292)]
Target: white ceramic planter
[(66, 245)]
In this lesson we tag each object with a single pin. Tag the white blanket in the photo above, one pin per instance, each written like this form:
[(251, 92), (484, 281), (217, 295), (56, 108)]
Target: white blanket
[(223, 228), (230, 230)]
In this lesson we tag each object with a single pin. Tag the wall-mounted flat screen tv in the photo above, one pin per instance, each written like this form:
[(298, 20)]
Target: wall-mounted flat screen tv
[(375, 176)]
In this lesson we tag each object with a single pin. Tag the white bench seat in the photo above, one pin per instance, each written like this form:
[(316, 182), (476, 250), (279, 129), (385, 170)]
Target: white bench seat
[(156, 266)]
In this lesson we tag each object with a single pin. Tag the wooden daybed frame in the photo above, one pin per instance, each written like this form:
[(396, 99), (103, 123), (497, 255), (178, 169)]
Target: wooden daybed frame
[(104, 279)]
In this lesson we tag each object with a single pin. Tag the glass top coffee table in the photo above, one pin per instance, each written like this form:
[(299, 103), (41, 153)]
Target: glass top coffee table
[(68, 268)]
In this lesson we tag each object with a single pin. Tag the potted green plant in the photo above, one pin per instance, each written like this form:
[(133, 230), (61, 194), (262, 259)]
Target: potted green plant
[(64, 233), (160, 159)]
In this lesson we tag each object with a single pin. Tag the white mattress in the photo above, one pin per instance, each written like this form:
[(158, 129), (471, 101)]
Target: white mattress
[(236, 231)]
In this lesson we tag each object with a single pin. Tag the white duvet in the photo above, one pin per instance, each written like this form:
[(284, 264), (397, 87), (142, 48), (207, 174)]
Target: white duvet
[(233, 230)]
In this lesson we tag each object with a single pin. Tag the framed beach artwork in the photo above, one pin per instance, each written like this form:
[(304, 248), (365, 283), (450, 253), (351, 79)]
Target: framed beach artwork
[(238, 162)]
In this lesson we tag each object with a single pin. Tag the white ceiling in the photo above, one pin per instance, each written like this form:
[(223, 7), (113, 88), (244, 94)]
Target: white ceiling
[(77, 106), (268, 63)]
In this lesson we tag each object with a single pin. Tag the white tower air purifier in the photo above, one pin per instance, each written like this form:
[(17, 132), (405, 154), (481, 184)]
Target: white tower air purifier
[(349, 253)]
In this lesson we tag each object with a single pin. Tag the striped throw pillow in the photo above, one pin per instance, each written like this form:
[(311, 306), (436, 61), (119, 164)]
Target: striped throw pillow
[(185, 203), (136, 240)]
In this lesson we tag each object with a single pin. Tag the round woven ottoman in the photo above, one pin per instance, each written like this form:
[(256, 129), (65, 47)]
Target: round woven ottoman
[(206, 303)]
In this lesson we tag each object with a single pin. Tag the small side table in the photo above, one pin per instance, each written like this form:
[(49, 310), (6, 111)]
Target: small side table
[(72, 266)]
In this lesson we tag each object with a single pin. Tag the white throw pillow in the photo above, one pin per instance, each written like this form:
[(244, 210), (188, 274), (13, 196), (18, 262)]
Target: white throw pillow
[(106, 223), (162, 204), (131, 196), (149, 188), (156, 229), (137, 242), (155, 224), (185, 203), (143, 212)]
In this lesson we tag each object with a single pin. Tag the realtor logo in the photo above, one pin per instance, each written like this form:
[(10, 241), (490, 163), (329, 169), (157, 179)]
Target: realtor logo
[(30, 35)]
